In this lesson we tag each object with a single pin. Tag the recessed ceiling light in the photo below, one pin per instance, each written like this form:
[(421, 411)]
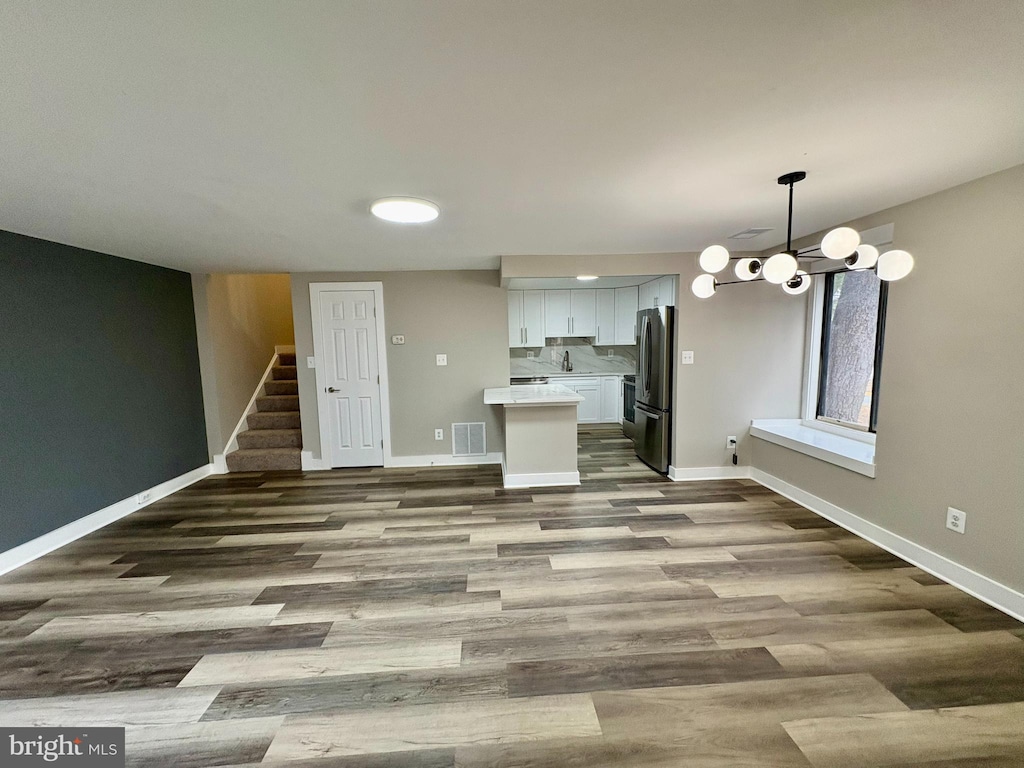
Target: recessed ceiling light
[(405, 210), (586, 277)]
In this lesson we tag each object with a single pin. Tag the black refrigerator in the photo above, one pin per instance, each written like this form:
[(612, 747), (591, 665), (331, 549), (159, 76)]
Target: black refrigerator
[(653, 438)]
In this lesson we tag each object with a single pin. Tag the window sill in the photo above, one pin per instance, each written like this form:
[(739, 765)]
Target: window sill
[(847, 452)]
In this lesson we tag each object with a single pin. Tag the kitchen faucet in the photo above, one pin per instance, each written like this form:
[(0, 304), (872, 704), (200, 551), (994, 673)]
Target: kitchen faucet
[(566, 365)]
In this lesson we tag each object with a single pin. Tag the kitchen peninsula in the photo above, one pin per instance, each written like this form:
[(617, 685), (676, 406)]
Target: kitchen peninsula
[(540, 434)]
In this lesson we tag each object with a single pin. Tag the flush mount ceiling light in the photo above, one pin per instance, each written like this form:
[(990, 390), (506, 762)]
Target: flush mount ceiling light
[(405, 210), (841, 244), (586, 278)]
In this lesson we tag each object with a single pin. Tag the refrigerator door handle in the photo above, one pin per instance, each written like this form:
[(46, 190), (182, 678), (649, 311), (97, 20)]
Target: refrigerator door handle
[(653, 415)]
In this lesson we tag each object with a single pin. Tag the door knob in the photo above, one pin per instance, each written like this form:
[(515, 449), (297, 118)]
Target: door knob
[(332, 389)]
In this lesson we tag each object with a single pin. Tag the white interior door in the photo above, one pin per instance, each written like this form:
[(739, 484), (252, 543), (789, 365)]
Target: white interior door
[(351, 378)]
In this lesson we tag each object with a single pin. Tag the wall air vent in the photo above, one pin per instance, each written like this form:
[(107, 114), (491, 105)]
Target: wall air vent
[(750, 234), (469, 439)]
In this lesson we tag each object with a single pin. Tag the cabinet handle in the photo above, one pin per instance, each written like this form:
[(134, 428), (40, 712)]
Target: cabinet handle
[(522, 334)]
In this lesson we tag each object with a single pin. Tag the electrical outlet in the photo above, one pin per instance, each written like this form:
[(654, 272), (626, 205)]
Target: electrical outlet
[(730, 443), (611, 353), (529, 355), (439, 434), (398, 340), (442, 359), (688, 357), (956, 520), (144, 498)]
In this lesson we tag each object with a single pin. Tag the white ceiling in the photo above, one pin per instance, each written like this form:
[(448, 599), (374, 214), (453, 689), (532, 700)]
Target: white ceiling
[(225, 136)]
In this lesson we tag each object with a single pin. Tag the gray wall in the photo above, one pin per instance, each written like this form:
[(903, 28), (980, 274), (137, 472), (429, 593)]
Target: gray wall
[(747, 344), (461, 313), (951, 415), (100, 383), (240, 319)]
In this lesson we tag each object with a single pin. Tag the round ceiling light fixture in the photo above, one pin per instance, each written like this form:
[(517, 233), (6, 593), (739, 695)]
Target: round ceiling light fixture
[(797, 284), (714, 258), (780, 268), (748, 269), (894, 265), (840, 242), (704, 286), (405, 210), (865, 257)]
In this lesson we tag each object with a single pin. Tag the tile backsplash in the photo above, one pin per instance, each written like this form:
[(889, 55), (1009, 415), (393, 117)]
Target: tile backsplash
[(584, 356)]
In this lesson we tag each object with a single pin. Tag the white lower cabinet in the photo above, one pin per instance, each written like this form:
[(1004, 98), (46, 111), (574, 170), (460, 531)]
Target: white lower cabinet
[(611, 399), (602, 398)]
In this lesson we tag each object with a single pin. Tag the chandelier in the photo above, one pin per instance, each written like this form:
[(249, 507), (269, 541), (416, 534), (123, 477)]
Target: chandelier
[(840, 245)]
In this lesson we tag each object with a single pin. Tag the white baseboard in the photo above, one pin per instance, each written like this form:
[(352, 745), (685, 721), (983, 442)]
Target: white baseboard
[(680, 474), (997, 595), (30, 550), (220, 464), (443, 460), (541, 479)]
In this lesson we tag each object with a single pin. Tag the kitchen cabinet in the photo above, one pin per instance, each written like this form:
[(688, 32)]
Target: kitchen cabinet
[(525, 319), (611, 399), (606, 318), (589, 411), (647, 293), (556, 313), (666, 291), (570, 313), (626, 306), (583, 312), (602, 398)]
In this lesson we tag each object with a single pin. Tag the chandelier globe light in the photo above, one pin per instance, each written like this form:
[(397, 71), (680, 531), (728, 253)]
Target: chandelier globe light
[(842, 244), (714, 259)]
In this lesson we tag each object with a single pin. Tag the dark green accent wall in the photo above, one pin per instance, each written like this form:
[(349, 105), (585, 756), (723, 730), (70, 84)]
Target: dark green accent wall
[(100, 393)]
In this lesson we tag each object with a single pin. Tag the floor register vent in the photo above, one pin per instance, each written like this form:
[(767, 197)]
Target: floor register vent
[(469, 439)]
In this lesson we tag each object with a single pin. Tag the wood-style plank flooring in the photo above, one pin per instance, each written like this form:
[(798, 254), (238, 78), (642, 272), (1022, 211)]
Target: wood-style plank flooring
[(428, 618)]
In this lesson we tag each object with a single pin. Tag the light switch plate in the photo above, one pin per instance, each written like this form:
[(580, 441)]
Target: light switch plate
[(688, 357), (442, 359), (311, 362), (398, 339)]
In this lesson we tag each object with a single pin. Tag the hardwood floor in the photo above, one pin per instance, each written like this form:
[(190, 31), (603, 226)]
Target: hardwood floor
[(428, 618)]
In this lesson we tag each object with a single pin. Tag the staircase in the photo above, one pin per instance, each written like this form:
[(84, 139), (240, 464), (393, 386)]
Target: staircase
[(273, 437)]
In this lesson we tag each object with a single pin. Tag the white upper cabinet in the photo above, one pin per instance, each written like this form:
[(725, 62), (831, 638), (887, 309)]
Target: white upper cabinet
[(647, 294), (533, 318), (605, 334), (583, 313), (667, 291), (626, 306), (516, 330), (556, 313)]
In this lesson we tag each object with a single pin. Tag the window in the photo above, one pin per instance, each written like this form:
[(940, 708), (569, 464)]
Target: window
[(852, 327)]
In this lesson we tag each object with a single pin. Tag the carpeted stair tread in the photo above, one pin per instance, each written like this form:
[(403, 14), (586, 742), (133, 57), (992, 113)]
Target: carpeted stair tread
[(281, 387), (266, 403), (284, 373), (286, 358), (259, 459), (270, 438), (273, 420)]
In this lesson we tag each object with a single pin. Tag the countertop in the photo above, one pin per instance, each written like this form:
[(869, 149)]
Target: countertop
[(531, 394)]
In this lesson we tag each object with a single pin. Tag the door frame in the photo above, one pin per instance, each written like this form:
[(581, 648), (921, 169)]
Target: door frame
[(315, 289)]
